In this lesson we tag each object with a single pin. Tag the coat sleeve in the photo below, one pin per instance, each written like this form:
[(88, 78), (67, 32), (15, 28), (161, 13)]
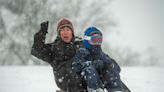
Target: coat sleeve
[(114, 65), (79, 60), (40, 49)]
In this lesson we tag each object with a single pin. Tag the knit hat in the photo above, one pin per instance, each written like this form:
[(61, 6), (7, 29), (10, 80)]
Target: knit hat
[(89, 38), (64, 23)]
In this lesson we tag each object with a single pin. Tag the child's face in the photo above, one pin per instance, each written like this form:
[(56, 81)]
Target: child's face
[(96, 39)]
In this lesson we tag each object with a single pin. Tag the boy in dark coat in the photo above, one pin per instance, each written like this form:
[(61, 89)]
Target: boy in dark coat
[(59, 54), (98, 70)]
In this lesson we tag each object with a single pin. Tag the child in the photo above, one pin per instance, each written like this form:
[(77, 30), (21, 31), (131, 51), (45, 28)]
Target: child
[(97, 69)]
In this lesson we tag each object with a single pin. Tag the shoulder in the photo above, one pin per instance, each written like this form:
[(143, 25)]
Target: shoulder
[(106, 56), (78, 42), (76, 38)]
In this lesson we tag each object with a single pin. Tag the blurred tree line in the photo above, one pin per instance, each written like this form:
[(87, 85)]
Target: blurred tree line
[(20, 20)]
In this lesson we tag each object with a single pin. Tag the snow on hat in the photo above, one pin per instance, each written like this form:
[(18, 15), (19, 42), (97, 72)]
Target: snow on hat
[(64, 23), (88, 35)]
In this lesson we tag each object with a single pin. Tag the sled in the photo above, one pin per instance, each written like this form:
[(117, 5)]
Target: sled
[(60, 91), (126, 89)]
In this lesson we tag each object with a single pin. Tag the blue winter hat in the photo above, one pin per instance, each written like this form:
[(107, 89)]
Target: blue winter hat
[(88, 37)]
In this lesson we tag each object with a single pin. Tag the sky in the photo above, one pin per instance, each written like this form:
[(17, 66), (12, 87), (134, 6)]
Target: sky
[(140, 25)]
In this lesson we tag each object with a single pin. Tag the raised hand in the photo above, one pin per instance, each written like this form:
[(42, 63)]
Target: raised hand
[(44, 26)]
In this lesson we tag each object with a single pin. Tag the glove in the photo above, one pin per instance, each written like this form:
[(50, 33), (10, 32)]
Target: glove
[(44, 27), (87, 63), (82, 52)]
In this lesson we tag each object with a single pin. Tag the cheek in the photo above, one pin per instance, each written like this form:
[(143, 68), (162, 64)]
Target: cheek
[(62, 34), (70, 33)]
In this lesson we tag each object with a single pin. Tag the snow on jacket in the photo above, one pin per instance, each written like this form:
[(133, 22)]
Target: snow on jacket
[(59, 55), (84, 57)]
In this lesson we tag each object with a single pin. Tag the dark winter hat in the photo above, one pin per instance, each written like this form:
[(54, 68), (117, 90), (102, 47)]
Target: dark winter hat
[(64, 23), (88, 37)]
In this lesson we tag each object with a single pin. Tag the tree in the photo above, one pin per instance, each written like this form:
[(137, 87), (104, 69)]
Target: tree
[(28, 14)]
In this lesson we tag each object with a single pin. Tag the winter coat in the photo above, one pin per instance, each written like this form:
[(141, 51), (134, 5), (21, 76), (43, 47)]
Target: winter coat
[(106, 67), (59, 55), (99, 59)]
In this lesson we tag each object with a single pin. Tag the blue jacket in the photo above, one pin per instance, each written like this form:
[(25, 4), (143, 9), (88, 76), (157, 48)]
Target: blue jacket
[(101, 61)]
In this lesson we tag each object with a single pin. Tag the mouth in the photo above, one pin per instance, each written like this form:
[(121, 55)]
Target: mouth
[(66, 37)]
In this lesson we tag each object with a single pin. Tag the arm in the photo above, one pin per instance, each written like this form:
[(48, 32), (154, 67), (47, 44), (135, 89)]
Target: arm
[(39, 48), (79, 60), (113, 64)]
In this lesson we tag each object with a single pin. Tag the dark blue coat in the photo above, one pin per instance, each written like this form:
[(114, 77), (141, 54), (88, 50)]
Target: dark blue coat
[(101, 61)]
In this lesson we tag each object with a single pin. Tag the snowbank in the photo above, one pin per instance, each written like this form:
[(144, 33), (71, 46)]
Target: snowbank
[(41, 79)]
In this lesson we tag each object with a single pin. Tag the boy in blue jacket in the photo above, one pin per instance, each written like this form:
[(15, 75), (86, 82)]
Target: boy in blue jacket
[(97, 69)]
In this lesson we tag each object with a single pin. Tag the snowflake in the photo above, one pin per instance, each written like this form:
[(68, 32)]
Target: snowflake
[(61, 79)]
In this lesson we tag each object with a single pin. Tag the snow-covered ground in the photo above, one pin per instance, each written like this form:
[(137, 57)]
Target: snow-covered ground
[(40, 79)]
